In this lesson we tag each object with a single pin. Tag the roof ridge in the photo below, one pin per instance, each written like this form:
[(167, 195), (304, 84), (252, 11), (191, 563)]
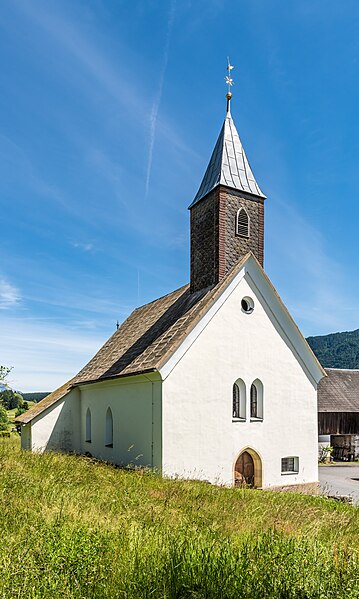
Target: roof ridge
[(160, 298)]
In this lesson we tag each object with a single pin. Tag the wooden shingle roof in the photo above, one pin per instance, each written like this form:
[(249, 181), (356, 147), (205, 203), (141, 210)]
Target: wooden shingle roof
[(144, 341), (339, 391), (148, 338)]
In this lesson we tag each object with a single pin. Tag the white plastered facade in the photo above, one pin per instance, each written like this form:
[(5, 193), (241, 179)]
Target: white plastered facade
[(200, 438), (135, 404)]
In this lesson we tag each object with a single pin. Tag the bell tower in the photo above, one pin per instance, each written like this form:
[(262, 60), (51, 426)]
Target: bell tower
[(227, 213)]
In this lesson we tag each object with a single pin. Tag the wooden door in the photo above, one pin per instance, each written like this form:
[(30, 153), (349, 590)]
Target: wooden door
[(244, 470)]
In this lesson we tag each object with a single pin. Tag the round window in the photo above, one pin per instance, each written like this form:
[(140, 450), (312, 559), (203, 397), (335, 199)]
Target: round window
[(247, 305)]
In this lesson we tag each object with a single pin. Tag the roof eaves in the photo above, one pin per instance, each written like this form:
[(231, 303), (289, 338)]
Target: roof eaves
[(121, 375)]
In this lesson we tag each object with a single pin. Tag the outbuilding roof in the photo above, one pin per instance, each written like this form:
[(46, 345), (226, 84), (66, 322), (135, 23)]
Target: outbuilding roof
[(228, 165), (339, 391)]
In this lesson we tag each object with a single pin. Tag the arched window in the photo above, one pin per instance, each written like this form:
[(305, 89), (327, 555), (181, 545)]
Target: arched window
[(242, 223), (257, 400), (88, 426), (239, 400), (109, 429)]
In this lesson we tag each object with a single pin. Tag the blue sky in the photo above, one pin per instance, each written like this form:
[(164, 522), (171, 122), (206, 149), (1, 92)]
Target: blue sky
[(109, 112)]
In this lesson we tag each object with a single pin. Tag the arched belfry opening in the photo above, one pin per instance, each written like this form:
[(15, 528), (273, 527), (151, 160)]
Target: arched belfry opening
[(248, 469)]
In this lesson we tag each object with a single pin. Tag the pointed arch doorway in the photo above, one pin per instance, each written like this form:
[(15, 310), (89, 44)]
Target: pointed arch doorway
[(248, 469)]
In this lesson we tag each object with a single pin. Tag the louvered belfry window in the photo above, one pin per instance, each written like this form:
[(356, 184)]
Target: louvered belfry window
[(242, 224)]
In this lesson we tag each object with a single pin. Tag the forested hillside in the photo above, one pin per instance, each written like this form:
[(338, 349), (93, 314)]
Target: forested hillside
[(35, 396), (337, 350)]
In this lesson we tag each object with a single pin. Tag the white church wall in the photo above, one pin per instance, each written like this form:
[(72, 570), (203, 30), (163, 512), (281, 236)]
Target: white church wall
[(135, 403), (26, 436), (58, 427), (200, 440)]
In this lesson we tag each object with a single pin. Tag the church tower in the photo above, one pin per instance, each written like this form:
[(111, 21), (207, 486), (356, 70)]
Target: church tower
[(227, 214)]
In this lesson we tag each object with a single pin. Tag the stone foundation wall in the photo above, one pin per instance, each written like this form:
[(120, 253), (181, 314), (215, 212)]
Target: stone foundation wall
[(305, 488)]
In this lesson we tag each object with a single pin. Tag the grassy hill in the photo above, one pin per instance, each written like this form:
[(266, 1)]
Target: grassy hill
[(78, 529), (337, 350)]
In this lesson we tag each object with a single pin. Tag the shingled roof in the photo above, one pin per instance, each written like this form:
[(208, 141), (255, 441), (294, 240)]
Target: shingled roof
[(144, 341), (339, 391), (152, 333)]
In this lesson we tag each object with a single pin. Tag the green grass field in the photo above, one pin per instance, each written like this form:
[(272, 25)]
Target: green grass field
[(75, 528)]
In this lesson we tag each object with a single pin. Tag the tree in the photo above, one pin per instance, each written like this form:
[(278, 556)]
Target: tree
[(4, 421), (10, 399), (4, 371), (21, 409)]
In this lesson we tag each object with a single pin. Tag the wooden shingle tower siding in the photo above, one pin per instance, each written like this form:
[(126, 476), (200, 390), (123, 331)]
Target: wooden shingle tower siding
[(217, 242)]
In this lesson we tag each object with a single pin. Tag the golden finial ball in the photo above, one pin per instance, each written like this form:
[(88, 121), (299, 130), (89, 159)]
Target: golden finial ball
[(228, 96)]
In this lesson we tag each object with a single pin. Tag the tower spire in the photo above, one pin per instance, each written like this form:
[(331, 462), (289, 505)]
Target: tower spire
[(229, 82), (227, 197)]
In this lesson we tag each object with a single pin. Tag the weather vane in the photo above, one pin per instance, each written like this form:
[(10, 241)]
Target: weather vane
[(229, 82)]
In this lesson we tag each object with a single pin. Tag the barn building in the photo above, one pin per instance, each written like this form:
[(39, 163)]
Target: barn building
[(338, 413), (213, 381)]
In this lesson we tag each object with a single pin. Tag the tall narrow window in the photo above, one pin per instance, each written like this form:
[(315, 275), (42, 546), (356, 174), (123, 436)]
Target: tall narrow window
[(109, 429), (88, 426), (242, 223), (254, 402), (236, 401), (257, 400), (239, 400)]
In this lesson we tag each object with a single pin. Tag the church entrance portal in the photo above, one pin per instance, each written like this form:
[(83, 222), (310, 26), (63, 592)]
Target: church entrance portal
[(248, 470)]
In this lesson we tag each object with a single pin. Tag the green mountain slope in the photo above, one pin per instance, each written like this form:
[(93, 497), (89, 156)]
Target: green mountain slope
[(337, 350), (35, 396)]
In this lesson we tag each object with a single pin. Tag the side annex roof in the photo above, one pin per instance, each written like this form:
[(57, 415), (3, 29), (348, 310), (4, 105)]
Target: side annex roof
[(339, 391), (150, 336)]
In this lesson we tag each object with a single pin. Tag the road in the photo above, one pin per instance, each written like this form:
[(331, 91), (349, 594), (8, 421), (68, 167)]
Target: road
[(342, 479)]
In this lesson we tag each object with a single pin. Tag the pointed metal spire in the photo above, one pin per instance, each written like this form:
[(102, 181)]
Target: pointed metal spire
[(228, 165)]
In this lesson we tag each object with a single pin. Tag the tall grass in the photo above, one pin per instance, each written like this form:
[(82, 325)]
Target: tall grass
[(75, 528)]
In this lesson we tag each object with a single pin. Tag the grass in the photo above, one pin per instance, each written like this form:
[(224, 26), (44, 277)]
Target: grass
[(75, 528)]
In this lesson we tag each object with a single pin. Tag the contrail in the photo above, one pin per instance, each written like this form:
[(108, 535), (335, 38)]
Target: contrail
[(157, 102)]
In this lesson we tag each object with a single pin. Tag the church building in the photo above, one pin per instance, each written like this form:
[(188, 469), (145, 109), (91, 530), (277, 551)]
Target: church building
[(213, 381)]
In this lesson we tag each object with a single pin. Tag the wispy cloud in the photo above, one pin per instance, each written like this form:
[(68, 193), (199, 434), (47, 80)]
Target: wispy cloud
[(46, 354), (319, 292), (9, 295), (85, 247), (115, 80), (157, 101)]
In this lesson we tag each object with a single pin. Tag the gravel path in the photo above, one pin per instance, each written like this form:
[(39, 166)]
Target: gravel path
[(341, 479)]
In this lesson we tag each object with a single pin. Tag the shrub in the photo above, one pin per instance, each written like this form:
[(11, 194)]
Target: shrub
[(4, 421)]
